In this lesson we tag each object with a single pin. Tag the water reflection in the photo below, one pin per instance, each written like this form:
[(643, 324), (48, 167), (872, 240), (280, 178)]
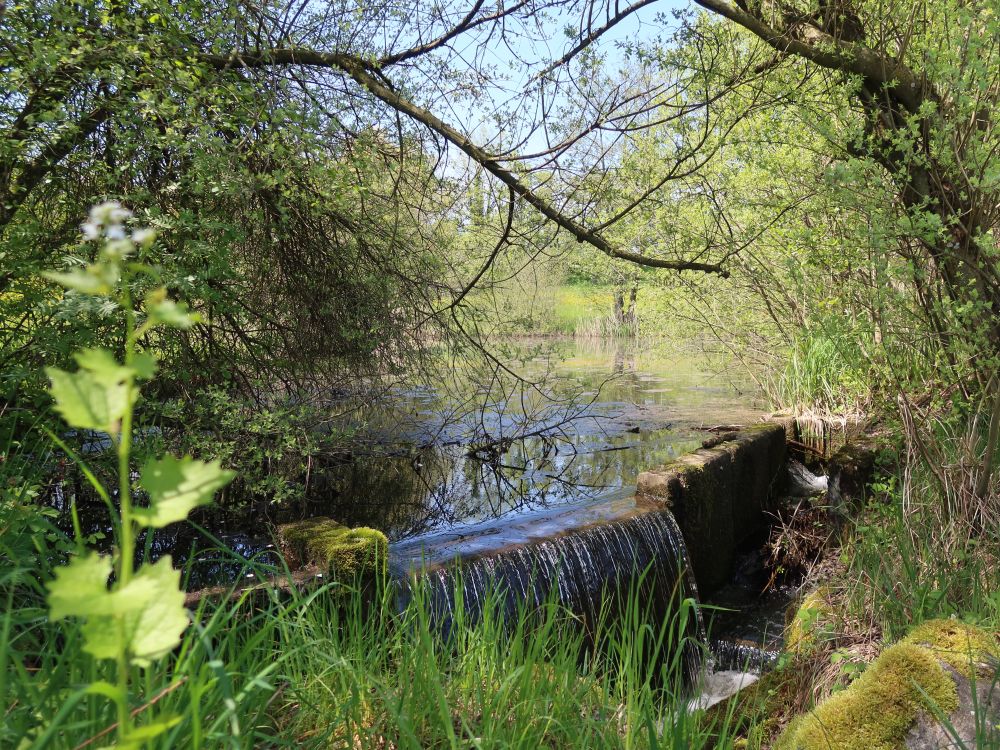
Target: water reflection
[(573, 433)]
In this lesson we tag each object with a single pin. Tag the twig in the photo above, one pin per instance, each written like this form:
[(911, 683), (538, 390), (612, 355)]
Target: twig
[(135, 712)]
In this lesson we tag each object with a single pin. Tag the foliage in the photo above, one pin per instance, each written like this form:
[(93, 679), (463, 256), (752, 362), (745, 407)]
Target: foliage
[(879, 707), (328, 665), (140, 617), (342, 552), (289, 226)]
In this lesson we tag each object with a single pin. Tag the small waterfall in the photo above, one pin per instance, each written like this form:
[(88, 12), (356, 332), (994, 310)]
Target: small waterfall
[(586, 571), (743, 656)]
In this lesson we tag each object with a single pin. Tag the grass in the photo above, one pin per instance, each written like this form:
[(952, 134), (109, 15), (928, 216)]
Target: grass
[(337, 667), (897, 577)]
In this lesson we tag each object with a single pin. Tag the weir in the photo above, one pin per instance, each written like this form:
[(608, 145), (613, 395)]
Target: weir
[(587, 570), (586, 557)]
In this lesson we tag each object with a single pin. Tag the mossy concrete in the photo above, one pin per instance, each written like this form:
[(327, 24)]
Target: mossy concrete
[(891, 706), (343, 552), (720, 495)]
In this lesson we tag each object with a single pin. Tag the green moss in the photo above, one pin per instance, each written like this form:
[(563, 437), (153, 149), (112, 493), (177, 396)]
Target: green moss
[(806, 626), (876, 711), (342, 551), (960, 645)]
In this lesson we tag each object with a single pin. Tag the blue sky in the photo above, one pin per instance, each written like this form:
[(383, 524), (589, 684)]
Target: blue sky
[(475, 117)]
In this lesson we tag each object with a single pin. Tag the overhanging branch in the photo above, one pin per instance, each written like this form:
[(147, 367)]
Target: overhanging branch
[(371, 78), (828, 52)]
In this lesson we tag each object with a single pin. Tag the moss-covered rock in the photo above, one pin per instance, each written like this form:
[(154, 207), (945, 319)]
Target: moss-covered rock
[(966, 648), (878, 709), (344, 552)]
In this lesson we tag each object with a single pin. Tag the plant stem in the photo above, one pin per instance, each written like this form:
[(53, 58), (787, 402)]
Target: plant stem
[(125, 507)]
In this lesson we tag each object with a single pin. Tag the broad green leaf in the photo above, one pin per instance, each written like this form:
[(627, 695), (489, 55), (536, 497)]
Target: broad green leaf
[(176, 486), (163, 310), (81, 281), (147, 615), (139, 736), (172, 314), (88, 401), (102, 364), (144, 365), (80, 588), (161, 623), (102, 687), (96, 396)]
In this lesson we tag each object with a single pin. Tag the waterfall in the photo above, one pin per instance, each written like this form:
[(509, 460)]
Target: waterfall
[(585, 570)]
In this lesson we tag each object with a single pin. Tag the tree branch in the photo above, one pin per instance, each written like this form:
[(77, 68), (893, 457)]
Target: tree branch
[(829, 52), (372, 79)]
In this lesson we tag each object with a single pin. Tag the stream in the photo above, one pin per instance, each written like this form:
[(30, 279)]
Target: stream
[(471, 467)]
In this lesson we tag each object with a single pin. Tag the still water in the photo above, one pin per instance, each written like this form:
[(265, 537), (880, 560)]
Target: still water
[(482, 458)]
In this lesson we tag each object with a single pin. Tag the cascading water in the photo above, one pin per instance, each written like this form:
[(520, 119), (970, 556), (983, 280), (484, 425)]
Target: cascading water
[(586, 570)]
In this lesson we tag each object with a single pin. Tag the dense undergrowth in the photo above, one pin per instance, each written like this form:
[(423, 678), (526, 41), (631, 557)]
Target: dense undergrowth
[(342, 666)]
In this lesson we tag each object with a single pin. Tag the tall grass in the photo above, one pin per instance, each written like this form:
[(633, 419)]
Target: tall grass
[(932, 547), (904, 566), (336, 666), (819, 375)]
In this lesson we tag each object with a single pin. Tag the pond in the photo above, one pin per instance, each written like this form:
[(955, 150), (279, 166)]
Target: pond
[(486, 459)]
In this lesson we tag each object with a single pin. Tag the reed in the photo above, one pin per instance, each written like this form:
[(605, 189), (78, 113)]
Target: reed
[(341, 666)]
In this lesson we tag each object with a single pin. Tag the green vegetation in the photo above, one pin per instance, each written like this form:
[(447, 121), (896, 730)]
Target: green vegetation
[(344, 552), (877, 710), (300, 206), (328, 666)]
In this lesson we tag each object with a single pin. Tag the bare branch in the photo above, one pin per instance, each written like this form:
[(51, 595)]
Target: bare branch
[(372, 79)]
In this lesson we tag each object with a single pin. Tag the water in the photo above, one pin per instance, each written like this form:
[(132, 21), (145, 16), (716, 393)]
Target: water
[(590, 571), (476, 451), (529, 484), (480, 461)]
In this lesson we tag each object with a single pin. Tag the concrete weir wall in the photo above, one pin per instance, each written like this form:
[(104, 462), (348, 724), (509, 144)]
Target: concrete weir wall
[(720, 495)]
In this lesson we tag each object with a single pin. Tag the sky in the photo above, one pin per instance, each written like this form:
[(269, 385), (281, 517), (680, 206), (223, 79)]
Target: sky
[(477, 116)]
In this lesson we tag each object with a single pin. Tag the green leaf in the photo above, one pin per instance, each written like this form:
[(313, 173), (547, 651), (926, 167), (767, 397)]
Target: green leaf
[(87, 401), (139, 736), (97, 395), (81, 281), (102, 364), (144, 365), (172, 314), (163, 620), (80, 587), (167, 312), (109, 691), (176, 486), (146, 615)]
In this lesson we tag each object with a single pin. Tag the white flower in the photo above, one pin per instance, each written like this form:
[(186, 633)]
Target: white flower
[(109, 212), (115, 232), (91, 230), (143, 237), (118, 214)]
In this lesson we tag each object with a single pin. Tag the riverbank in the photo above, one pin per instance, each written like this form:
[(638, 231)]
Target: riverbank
[(328, 665)]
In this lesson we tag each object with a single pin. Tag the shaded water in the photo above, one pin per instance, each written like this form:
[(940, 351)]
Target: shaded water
[(477, 463)]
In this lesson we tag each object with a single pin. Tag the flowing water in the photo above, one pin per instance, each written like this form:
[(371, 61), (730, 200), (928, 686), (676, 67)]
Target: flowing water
[(530, 482), (587, 570)]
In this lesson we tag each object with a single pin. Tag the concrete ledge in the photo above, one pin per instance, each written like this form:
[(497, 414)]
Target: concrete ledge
[(719, 496)]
